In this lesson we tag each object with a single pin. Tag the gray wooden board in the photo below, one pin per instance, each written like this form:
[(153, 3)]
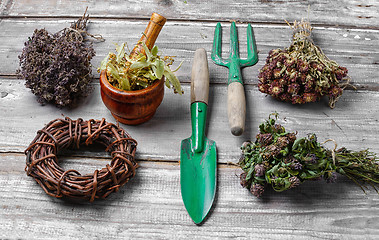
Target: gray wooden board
[(150, 207), (340, 12), (353, 123), (355, 49)]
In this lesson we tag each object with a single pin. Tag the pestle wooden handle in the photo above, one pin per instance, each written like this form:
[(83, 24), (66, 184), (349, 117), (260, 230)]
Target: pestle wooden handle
[(236, 108), (150, 35), (200, 77)]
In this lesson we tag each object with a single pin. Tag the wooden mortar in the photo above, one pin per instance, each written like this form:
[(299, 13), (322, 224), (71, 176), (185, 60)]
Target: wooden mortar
[(135, 107)]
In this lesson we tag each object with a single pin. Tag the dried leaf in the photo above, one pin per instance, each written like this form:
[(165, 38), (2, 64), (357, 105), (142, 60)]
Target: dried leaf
[(120, 52), (154, 51)]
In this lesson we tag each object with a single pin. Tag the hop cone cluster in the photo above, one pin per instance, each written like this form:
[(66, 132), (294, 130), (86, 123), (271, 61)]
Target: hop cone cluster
[(281, 160), (57, 66), (302, 73)]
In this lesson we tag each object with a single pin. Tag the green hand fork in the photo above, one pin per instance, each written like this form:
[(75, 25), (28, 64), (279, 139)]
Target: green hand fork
[(236, 92)]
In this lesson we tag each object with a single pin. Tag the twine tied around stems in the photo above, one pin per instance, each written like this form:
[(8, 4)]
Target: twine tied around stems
[(333, 150)]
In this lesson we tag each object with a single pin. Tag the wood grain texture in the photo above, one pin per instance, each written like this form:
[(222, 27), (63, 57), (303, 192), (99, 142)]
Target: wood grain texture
[(236, 108), (200, 77), (353, 123), (150, 207), (339, 12), (355, 49)]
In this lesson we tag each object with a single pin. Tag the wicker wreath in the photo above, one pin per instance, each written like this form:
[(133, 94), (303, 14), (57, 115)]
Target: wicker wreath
[(59, 134)]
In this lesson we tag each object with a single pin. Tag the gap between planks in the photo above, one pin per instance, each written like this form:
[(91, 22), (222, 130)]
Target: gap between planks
[(178, 20), (163, 162), (94, 82)]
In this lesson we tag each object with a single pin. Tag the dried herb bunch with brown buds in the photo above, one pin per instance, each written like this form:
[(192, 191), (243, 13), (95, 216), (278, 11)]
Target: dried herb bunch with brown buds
[(57, 66), (281, 160), (302, 73)]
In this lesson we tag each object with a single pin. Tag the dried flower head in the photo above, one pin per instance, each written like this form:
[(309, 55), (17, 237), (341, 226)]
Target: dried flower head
[(257, 190), (277, 128), (296, 165), (271, 151), (282, 142), (243, 182), (330, 177), (264, 139), (275, 89), (293, 88), (310, 158), (259, 170), (245, 145), (294, 181)]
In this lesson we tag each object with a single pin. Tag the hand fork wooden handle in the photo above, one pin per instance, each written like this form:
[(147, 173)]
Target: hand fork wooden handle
[(236, 92)]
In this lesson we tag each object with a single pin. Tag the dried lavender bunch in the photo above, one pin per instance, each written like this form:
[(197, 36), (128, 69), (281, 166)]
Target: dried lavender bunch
[(57, 66), (302, 73), (280, 160)]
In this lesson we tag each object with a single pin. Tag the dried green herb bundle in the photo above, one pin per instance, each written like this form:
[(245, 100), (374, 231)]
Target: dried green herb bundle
[(141, 71), (280, 160), (302, 73), (57, 66)]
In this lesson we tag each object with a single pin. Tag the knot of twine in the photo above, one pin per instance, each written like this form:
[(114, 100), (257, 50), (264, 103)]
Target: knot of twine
[(342, 85), (333, 150), (72, 34), (302, 33), (77, 30), (76, 34), (301, 30)]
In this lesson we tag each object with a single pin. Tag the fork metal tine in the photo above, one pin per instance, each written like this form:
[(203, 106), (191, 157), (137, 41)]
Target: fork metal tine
[(234, 46), (252, 53), (216, 48)]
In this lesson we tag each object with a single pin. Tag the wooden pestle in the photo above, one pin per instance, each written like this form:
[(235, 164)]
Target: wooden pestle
[(150, 35)]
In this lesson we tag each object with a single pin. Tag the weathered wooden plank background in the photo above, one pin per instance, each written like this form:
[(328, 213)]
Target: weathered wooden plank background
[(150, 205), (356, 48), (342, 12)]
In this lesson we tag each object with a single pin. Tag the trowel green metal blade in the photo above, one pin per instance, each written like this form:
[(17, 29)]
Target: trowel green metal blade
[(198, 164)]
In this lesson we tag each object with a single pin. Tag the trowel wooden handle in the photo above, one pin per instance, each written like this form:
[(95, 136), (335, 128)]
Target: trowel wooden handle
[(150, 35), (200, 77), (236, 108)]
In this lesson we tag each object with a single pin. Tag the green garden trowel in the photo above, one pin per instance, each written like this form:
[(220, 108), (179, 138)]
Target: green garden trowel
[(198, 157)]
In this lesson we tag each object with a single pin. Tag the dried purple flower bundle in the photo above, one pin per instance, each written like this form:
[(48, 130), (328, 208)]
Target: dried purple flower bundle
[(280, 160), (57, 66), (302, 73)]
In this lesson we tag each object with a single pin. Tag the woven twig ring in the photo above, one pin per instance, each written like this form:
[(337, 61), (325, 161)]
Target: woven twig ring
[(59, 134)]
